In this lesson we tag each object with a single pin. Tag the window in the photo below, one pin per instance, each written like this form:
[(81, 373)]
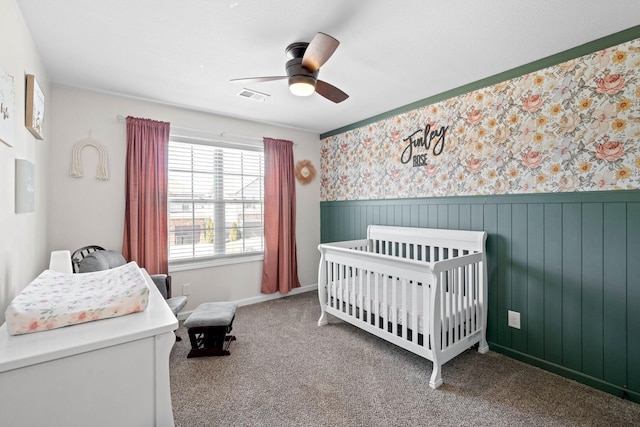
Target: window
[(216, 193)]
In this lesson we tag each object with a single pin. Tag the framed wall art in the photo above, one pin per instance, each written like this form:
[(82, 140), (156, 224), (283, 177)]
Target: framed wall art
[(34, 116), (7, 109), (25, 186)]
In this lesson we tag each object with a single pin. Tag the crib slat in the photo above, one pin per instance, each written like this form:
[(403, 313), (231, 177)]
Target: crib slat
[(360, 293), (427, 289), (369, 297), (377, 299), (394, 305), (455, 314), (443, 312), (348, 274), (475, 296), (460, 308), (470, 282), (414, 311), (443, 324), (334, 284), (404, 309), (342, 286), (461, 326), (328, 280), (351, 292), (444, 309), (354, 293), (338, 297), (347, 289), (471, 327), (385, 301), (426, 322), (453, 279), (451, 274), (449, 308), (465, 301), (344, 294)]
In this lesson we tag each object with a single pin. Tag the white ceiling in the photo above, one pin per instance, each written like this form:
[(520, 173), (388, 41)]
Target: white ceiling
[(392, 53)]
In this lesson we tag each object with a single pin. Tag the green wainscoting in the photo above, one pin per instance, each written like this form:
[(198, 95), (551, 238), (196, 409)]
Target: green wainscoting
[(568, 262)]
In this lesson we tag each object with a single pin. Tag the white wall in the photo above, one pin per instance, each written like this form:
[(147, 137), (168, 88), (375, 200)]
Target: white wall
[(24, 249), (88, 211)]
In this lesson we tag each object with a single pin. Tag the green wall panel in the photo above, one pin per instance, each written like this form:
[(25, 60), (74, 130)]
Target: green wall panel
[(552, 276), (465, 217), (535, 279), (592, 270), (571, 286), (518, 245), (569, 263), (633, 295), (491, 227), (614, 292), (503, 272)]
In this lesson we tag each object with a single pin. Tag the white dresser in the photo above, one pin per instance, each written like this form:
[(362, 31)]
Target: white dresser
[(111, 372)]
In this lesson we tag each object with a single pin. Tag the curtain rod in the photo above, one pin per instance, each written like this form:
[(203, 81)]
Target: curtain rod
[(122, 117)]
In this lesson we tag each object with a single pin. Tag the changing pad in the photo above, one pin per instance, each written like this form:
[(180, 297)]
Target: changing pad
[(53, 299)]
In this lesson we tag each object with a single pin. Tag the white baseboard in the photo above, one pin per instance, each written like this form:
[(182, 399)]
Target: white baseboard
[(261, 298)]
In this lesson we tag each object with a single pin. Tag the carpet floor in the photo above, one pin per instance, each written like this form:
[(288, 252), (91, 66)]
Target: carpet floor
[(284, 370)]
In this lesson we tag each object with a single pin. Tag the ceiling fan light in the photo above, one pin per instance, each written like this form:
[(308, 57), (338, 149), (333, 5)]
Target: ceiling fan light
[(302, 85)]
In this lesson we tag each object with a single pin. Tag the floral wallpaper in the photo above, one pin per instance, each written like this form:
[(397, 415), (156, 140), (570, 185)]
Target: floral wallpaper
[(571, 127)]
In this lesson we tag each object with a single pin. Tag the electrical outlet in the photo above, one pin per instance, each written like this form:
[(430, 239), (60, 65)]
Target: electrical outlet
[(186, 289), (514, 319)]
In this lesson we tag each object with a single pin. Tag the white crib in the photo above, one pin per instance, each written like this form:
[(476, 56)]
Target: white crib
[(422, 289)]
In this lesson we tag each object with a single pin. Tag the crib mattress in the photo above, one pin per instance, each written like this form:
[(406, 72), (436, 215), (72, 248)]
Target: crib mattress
[(349, 295), (53, 299)]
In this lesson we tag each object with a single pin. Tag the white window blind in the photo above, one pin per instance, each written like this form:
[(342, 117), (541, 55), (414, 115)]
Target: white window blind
[(216, 200)]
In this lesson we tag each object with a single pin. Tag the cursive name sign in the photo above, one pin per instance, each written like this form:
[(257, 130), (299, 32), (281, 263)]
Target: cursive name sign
[(423, 138)]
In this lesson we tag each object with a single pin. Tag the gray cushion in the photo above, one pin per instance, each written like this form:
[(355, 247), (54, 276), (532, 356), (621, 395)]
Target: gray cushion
[(177, 303), (101, 260), (161, 283), (212, 314)]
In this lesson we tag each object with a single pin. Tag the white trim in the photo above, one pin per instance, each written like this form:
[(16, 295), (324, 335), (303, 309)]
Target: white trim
[(223, 139), (216, 262), (262, 298)]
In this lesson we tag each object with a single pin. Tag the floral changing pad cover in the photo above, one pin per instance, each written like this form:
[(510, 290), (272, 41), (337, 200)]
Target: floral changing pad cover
[(53, 299)]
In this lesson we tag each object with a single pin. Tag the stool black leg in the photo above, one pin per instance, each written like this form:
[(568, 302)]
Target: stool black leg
[(209, 341)]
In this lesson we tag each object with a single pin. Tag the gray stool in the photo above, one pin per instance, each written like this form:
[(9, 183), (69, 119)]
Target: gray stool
[(208, 327)]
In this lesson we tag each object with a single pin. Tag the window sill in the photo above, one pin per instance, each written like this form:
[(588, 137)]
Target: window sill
[(195, 265)]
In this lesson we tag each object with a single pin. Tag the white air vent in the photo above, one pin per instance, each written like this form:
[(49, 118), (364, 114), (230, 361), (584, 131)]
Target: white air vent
[(252, 94)]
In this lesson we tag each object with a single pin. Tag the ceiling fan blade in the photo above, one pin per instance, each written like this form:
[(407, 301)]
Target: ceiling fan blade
[(258, 79), (319, 51), (330, 92)]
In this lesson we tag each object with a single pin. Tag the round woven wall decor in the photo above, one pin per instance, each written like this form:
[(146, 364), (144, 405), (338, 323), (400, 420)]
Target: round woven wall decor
[(305, 172)]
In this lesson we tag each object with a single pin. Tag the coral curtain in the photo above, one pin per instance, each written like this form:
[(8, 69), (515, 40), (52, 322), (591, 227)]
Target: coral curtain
[(145, 224), (280, 269)]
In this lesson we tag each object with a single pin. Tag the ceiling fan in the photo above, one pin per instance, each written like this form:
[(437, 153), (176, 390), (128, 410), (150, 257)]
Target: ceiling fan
[(303, 68)]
